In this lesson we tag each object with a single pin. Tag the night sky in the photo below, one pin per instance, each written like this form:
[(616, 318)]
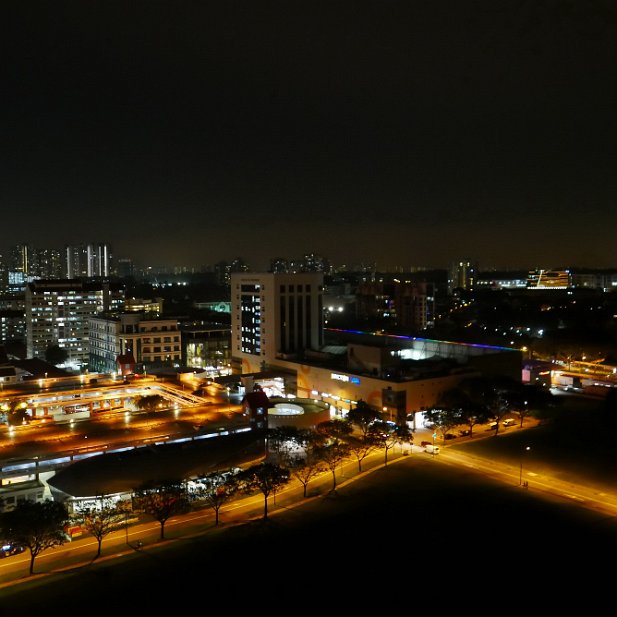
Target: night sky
[(406, 133)]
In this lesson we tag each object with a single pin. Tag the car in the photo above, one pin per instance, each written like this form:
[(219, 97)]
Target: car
[(509, 422), (464, 433), (6, 550)]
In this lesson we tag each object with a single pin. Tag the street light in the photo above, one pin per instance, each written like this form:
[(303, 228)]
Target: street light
[(520, 478)]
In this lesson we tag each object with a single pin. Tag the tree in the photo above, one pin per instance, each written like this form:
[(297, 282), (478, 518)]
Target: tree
[(101, 519), (216, 489), (498, 405), (497, 394), (54, 354), (265, 477), (335, 430), (443, 419), (149, 402), (363, 415), (16, 412), (306, 467), (384, 434), (161, 500), (463, 407), (36, 525), (283, 442), (304, 463), (360, 448), (404, 435), (534, 401), (332, 455)]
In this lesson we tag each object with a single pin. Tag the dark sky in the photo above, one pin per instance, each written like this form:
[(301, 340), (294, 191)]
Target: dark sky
[(399, 132)]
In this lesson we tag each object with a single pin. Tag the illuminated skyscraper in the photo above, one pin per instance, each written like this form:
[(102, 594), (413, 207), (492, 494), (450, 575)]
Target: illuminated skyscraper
[(87, 261), (462, 275)]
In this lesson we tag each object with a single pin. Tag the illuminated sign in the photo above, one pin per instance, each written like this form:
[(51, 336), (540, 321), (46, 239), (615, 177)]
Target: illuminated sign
[(340, 377)]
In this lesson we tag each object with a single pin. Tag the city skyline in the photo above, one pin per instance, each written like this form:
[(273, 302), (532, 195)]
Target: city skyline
[(406, 134), (42, 267)]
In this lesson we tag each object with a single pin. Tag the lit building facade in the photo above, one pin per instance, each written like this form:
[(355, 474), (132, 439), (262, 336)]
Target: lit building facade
[(549, 279), (57, 312), (153, 343), (12, 325), (87, 261), (206, 347), (462, 275), (275, 315), (153, 307)]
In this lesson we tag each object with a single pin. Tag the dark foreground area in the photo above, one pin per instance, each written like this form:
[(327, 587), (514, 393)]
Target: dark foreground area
[(414, 532)]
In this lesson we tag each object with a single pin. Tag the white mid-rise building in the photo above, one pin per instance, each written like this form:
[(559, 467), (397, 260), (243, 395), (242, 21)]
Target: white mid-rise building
[(275, 316)]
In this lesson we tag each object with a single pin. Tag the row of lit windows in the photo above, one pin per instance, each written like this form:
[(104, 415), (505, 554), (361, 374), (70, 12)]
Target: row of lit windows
[(161, 356), (158, 349), (112, 349)]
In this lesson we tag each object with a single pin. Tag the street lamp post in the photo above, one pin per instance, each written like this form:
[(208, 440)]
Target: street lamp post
[(520, 478)]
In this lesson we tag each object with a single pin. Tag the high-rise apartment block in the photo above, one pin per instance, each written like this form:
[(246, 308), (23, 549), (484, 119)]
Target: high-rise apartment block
[(462, 275), (224, 270), (88, 261), (57, 313), (402, 304)]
